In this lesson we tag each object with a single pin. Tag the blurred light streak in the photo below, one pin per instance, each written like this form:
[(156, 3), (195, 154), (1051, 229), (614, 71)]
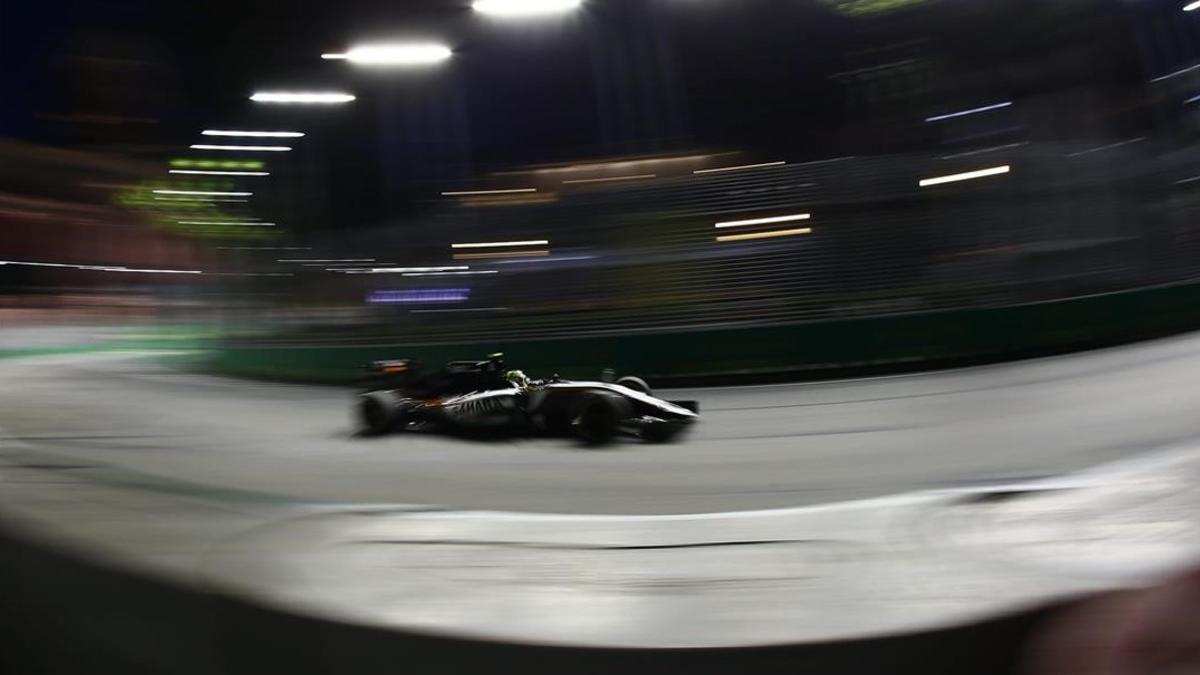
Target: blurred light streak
[(467, 309), (448, 274), (524, 7), (777, 188), (546, 260), (765, 235), (248, 148), (508, 254), (199, 172), (1192, 7), (98, 268), (1193, 179), (201, 192), (252, 134), (985, 150), (314, 97), (495, 244), (324, 260), (427, 295), (969, 175), (264, 248), (1192, 100), (490, 201), (199, 199), (612, 164), (740, 167), (398, 270), (251, 274), (229, 219), (394, 54), (108, 186), (827, 161), (240, 223), (764, 221), (252, 164), (612, 179), (972, 111), (984, 134), (342, 268), (487, 192), (1107, 147), (1176, 73)]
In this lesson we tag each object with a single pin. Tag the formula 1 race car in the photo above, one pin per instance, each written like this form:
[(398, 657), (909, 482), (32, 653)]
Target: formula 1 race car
[(483, 397)]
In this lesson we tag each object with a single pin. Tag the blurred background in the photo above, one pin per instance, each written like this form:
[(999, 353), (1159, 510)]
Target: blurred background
[(615, 166), (694, 191)]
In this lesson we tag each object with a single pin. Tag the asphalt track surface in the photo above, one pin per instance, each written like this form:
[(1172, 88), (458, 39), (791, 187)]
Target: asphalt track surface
[(755, 448)]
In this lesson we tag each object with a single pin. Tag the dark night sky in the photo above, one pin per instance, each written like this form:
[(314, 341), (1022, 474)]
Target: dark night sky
[(612, 78), (746, 70)]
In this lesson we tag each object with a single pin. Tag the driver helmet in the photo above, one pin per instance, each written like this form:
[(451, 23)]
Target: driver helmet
[(517, 378)]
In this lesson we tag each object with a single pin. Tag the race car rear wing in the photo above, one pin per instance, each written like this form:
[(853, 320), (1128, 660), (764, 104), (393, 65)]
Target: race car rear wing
[(391, 374)]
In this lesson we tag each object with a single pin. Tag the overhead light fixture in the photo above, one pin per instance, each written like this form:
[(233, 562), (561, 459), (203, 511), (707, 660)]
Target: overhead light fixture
[(248, 148), (203, 193), (252, 134), (765, 235), (524, 7), (464, 193), (414, 54), (741, 167), (220, 173), (301, 97), (764, 221), (496, 244), (972, 111), (969, 175)]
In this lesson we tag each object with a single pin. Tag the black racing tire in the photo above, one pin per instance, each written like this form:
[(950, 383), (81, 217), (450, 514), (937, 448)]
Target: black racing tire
[(379, 412), (635, 383), (598, 418)]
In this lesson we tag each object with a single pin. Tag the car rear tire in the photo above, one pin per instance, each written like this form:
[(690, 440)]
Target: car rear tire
[(379, 412), (598, 418), (635, 383)]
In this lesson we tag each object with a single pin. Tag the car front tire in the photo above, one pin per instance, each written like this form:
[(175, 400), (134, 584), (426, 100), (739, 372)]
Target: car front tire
[(598, 418), (635, 383)]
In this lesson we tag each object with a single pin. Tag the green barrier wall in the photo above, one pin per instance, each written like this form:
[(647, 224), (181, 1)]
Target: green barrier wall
[(821, 348)]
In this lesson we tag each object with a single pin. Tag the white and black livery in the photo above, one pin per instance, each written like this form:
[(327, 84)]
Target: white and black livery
[(483, 397)]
